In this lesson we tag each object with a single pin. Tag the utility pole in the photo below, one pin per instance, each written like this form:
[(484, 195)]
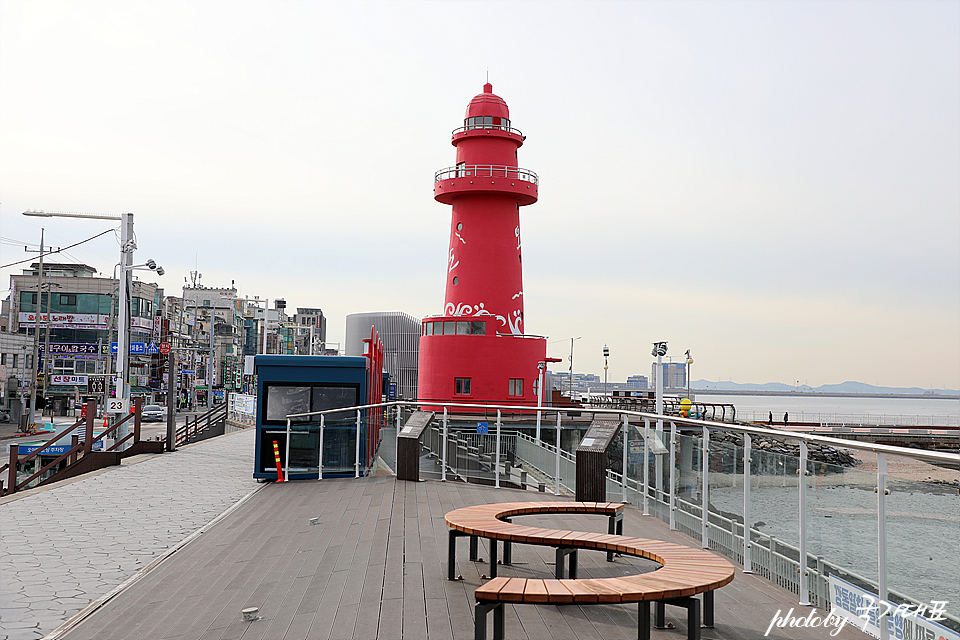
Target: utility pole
[(210, 363), (44, 367)]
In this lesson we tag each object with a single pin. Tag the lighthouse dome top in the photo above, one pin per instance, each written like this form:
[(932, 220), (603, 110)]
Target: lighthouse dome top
[(487, 104)]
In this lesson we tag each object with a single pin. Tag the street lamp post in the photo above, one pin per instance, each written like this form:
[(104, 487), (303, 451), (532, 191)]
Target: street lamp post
[(571, 366), (31, 415), (606, 355), (689, 362), (127, 246), (659, 350), (123, 332), (542, 366)]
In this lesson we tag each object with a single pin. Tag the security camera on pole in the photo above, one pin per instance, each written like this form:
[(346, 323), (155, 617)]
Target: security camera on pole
[(660, 350)]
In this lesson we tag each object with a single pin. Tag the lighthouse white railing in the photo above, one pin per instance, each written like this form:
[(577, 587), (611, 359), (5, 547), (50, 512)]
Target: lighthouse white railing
[(499, 127), (486, 171)]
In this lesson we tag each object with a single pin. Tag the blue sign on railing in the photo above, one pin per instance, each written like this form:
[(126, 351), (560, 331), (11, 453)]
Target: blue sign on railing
[(54, 449), (483, 427)]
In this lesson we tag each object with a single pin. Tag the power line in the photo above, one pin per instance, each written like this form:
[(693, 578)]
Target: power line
[(4, 266)]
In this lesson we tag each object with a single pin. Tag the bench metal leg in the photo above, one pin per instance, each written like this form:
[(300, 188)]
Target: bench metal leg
[(561, 553), (693, 620), (480, 622), (614, 527), (707, 610), (643, 621), (452, 554), (659, 615), (452, 536), (493, 558), (692, 605), (507, 550), (498, 623)]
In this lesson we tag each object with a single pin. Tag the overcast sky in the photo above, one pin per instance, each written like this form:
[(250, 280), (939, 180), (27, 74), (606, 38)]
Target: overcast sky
[(772, 185)]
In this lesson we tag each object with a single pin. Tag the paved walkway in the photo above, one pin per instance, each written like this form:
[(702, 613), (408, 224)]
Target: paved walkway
[(69, 545)]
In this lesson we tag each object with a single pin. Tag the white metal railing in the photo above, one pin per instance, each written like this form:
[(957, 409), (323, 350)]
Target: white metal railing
[(855, 420), (665, 490), (486, 171), (242, 408)]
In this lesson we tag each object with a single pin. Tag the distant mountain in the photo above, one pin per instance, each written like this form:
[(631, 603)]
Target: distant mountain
[(843, 387)]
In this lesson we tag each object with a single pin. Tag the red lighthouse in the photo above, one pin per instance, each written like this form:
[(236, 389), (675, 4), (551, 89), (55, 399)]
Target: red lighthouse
[(479, 350)]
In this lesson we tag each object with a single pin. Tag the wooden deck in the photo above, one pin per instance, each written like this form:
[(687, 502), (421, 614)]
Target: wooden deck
[(374, 567)]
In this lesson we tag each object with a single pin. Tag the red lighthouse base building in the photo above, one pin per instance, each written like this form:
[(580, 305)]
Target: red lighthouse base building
[(478, 350)]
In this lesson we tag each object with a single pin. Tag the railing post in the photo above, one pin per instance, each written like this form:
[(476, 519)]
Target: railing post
[(882, 541), (396, 445), (12, 471), (704, 489), (74, 443), (88, 428), (320, 457), (646, 466), (673, 474), (286, 467), (623, 468), (356, 473), (802, 477), (443, 458), (496, 457), (137, 407), (747, 565), (557, 489)]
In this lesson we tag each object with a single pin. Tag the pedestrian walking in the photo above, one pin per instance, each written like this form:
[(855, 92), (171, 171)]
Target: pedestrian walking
[(785, 416)]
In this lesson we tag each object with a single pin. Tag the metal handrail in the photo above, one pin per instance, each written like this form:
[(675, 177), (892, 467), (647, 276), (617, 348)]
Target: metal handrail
[(509, 129), (486, 171)]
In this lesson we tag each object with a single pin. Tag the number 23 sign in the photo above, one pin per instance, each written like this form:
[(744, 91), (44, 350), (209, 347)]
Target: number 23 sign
[(116, 405)]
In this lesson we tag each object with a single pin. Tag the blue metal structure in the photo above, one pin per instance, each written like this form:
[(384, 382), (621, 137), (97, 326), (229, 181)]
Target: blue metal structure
[(301, 384)]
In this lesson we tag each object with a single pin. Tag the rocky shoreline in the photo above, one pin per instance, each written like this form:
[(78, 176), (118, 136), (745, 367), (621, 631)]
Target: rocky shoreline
[(816, 452)]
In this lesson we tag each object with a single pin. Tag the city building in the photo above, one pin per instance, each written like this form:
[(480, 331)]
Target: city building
[(310, 331), (77, 312), (674, 375), (637, 382), (400, 334), (478, 350), (214, 320)]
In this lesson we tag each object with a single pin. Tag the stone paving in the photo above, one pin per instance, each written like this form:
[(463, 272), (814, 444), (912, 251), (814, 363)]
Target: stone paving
[(68, 546)]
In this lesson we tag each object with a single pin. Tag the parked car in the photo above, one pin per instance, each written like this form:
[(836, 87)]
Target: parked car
[(153, 413)]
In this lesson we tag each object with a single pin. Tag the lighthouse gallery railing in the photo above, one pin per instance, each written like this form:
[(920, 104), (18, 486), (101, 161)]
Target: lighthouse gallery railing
[(486, 171)]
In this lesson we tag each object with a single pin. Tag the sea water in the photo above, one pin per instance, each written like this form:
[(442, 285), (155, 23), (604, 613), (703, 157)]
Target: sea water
[(918, 411), (922, 519)]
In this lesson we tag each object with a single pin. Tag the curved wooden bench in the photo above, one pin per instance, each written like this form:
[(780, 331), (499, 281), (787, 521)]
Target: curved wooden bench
[(462, 521), (686, 571)]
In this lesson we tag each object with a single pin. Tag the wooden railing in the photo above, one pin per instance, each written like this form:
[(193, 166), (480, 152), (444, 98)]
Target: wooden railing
[(193, 429), (76, 451)]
